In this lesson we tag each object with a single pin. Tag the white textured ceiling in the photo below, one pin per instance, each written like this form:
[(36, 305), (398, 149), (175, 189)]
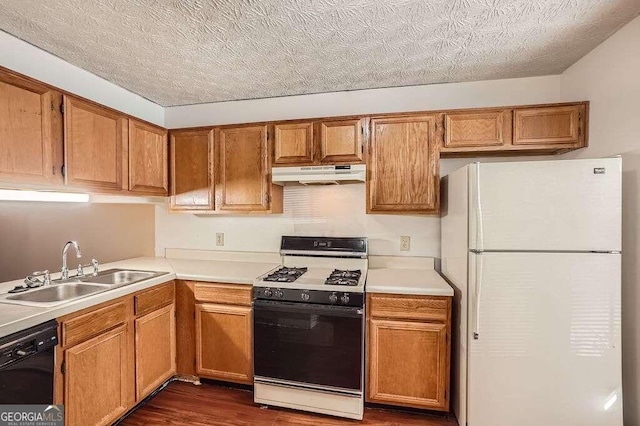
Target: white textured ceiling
[(194, 51)]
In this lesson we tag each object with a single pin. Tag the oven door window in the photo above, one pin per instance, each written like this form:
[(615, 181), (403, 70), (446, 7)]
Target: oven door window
[(310, 344)]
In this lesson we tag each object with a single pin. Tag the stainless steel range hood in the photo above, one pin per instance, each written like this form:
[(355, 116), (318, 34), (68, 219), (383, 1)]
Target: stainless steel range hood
[(319, 175)]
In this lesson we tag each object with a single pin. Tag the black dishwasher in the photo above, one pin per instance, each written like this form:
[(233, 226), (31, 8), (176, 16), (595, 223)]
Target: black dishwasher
[(26, 365)]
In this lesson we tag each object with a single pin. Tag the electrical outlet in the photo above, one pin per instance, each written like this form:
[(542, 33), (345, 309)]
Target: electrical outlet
[(220, 239), (405, 243)]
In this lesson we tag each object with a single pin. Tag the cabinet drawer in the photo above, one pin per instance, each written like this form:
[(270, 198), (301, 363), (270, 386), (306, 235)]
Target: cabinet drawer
[(423, 308), (91, 324), (155, 298), (223, 293)]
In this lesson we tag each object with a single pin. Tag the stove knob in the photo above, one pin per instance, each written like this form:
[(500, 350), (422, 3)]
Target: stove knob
[(345, 298), (279, 294), (305, 296), (268, 293), (333, 298)]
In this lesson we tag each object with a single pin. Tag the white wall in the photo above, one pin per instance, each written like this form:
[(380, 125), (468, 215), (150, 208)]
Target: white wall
[(609, 77), (34, 62), (437, 96), (32, 234)]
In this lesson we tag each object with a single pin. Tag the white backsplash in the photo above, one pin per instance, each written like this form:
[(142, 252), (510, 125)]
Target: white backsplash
[(318, 211)]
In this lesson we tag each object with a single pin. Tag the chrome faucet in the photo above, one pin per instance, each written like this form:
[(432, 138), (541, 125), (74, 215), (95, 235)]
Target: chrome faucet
[(65, 270)]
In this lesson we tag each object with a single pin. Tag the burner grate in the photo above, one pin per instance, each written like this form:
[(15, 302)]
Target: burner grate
[(285, 275), (344, 277)]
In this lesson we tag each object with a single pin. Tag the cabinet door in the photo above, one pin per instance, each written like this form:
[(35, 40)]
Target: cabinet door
[(559, 125), (243, 169), (147, 159), (403, 165), (94, 140), (30, 131), (477, 129), (341, 141), (155, 350), (223, 343), (408, 364), (192, 154), (293, 143), (96, 384)]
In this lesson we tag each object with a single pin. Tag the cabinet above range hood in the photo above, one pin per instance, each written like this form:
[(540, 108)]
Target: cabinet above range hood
[(319, 175)]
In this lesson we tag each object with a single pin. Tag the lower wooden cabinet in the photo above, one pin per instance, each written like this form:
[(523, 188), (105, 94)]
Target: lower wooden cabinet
[(97, 386), (155, 349), (109, 360), (408, 349), (224, 349)]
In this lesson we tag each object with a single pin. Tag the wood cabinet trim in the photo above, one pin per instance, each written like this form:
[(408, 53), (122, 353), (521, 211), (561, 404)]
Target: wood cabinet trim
[(231, 294), (93, 323), (154, 298), (408, 307)]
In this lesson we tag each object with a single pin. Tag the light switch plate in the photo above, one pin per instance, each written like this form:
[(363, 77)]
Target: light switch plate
[(405, 243), (220, 239)]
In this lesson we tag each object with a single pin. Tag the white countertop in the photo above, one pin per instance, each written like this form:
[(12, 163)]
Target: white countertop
[(14, 318), (405, 276), (385, 275)]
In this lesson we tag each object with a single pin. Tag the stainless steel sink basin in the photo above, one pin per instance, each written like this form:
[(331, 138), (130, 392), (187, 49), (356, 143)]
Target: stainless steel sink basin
[(57, 293), (120, 277)]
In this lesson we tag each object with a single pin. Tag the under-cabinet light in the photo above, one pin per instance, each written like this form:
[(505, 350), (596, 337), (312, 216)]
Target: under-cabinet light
[(55, 197)]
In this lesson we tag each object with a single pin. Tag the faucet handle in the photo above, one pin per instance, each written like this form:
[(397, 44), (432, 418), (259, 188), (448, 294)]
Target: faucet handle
[(94, 262), (33, 281)]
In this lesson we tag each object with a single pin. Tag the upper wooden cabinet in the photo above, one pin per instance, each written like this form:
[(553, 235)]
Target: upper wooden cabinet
[(549, 126), (94, 141), (338, 141), (293, 143), (192, 161), (148, 168), (403, 175), (545, 129), (477, 129), (30, 131), (341, 141), (244, 170)]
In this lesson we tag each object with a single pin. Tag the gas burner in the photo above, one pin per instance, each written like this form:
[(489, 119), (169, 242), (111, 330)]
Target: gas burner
[(344, 277), (285, 275)]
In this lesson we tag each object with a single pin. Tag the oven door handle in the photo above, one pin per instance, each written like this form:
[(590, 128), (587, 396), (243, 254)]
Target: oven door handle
[(309, 308)]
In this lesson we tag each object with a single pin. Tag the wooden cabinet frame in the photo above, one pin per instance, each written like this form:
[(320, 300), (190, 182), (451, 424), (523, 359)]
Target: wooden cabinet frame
[(137, 177)]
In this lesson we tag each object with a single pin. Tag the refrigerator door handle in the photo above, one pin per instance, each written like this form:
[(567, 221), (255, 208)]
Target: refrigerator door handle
[(479, 225), (476, 325)]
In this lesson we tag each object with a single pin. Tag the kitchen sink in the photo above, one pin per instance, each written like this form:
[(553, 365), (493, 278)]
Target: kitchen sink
[(63, 291), (120, 277), (55, 294)]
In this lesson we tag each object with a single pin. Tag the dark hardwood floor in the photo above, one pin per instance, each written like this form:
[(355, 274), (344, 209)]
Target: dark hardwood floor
[(186, 404)]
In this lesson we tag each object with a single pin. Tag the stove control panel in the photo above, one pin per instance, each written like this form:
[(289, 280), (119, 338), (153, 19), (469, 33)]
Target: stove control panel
[(309, 296)]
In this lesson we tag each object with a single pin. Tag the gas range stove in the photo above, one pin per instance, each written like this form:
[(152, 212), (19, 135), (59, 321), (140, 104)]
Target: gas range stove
[(317, 270), (310, 311)]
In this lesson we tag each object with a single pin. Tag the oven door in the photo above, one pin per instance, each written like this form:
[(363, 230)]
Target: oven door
[(310, 344)]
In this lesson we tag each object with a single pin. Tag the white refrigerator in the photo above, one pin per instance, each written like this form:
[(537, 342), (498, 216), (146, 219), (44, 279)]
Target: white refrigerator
[(533, 252)]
